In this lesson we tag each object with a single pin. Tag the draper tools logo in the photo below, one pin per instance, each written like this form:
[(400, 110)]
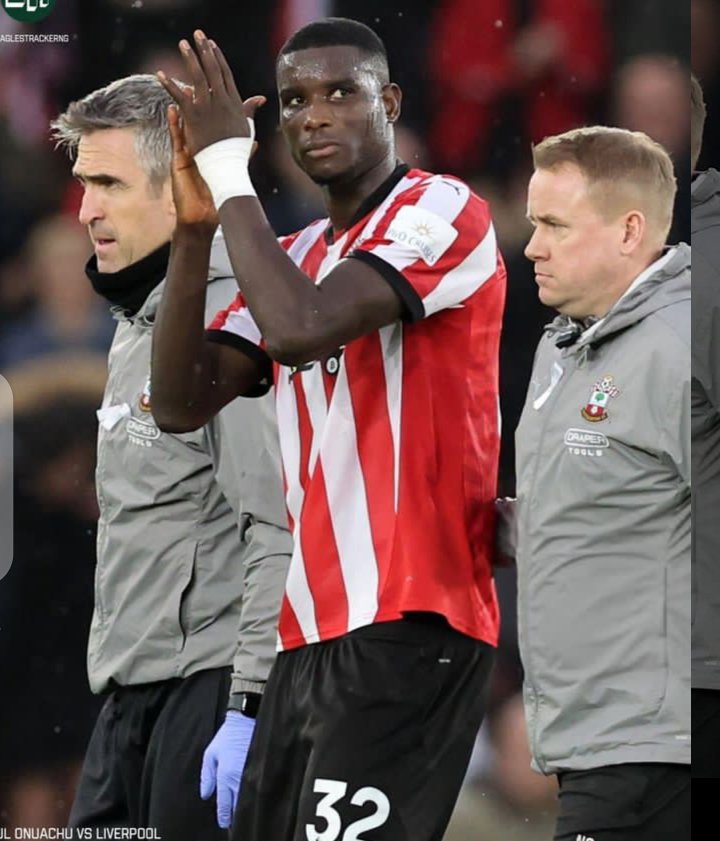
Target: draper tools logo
[(28, 11)]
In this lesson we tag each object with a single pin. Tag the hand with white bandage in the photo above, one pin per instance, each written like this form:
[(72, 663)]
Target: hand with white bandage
[(214, 134)]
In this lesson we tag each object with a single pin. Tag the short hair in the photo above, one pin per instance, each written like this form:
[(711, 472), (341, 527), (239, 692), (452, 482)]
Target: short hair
[(339, 32), (625, 170), (698, 112), (138, 102)]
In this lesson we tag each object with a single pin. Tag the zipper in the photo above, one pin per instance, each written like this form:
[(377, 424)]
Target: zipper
[(548, 409), (102, 532)]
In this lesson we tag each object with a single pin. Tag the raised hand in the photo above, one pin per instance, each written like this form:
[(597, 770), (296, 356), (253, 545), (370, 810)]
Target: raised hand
[(214, 110), (193, 202)]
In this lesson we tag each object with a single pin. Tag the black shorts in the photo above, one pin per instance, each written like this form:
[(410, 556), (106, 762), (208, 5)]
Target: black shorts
[(365, 736), (706, 733), (142, 766), (634, 802)]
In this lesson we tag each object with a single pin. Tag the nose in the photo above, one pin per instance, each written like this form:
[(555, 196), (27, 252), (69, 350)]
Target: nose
[(535, 249), (90, 207), (318, 114)]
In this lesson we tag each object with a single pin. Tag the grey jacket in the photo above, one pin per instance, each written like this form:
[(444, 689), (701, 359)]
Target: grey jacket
[(603, 468), (192, 544), (706, 430)]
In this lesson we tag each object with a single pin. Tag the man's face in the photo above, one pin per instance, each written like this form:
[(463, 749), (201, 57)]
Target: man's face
[(334, 112), (127, 216), (576, 251)]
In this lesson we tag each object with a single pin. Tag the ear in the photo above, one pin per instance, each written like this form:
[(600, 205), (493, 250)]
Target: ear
[(392, 100), (168, 199), (634, 229)]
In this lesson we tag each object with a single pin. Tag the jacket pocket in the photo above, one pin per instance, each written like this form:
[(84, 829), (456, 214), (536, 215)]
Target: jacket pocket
[(189, 579), (608, 649), (214, 586)]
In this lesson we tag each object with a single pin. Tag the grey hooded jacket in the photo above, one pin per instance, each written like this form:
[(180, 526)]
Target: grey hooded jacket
[(706, 430), (192, 543), (603, 468)]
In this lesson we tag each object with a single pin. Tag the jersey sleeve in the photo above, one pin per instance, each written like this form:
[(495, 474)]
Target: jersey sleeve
[(235, 326), (435, 245)]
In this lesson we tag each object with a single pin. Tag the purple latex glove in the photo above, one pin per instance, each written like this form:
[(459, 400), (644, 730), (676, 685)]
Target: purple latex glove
[(223, 764)]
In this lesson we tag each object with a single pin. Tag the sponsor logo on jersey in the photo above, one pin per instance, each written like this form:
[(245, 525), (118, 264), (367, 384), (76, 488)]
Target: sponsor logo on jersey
[(329, 363), (423, 231)]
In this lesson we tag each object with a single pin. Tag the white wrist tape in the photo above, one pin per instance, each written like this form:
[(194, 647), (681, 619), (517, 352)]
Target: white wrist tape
[(224, 167)]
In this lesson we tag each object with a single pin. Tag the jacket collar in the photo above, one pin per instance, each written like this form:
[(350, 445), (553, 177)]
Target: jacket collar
[(705, 197), (128, 289), (145, 296), (665, 282)]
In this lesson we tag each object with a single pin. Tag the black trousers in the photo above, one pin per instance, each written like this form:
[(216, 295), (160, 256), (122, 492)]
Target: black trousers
[(705, 733), (367, 736), (633, 802), (142, 766)]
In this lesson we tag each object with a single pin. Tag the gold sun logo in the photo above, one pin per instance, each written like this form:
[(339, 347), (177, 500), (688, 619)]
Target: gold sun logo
[(423, 229)]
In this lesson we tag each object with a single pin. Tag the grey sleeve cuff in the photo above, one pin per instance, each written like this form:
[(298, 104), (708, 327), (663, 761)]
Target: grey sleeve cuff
[(238, 686)]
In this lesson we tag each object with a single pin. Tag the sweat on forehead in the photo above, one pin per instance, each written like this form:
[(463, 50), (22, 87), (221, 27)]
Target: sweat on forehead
[(336, 61)]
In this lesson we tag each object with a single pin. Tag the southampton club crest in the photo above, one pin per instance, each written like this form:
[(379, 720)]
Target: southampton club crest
[(144, 401), (596, 408)]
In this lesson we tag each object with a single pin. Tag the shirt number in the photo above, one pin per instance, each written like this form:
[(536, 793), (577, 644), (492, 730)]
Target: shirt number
[(335, 790)]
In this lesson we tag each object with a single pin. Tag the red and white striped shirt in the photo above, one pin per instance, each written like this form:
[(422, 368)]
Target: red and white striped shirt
[(390, 445)]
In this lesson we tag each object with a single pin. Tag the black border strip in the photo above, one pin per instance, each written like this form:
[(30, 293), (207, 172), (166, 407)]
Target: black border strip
[(257, 354), (413, 309)]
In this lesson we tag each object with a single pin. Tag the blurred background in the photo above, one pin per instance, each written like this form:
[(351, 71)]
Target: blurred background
[(482, 79), (706, 66)]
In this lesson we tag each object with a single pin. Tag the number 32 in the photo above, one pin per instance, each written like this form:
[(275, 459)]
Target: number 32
[(335, 790)]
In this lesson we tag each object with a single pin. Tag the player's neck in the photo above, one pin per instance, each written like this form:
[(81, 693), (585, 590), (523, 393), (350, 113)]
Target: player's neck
[(343, 200)]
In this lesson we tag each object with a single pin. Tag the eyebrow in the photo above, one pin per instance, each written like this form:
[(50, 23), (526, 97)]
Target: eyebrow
[(346, 82), (100, 178), (548, 218)]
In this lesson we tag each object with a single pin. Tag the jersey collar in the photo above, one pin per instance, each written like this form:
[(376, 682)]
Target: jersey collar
[(376, 198)]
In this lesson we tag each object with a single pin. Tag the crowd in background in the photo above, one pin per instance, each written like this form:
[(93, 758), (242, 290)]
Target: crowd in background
[(482, 81)]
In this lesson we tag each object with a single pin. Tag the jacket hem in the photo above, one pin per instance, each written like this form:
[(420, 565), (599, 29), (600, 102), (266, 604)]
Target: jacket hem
[(669, 754)]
